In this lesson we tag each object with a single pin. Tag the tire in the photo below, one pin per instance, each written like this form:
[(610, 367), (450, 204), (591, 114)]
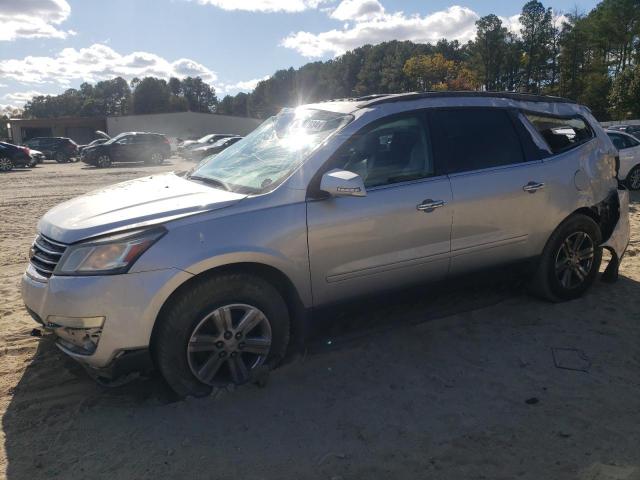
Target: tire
[(103, 161), (156, 158), (60, 157), (200, 312), (566, 269), (6, 164), (633, 178)]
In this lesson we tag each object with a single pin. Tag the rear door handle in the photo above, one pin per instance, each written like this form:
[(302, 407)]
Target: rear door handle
[(533, 187), (429, 205)]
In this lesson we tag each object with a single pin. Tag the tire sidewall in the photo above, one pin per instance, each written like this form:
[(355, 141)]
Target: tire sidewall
[(177, 326), (628, 180), (577, 223), (9, 165), (106, 165), (60, 157)]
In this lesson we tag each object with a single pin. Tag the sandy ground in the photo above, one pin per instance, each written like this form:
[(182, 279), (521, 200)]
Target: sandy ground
[(454, 384)]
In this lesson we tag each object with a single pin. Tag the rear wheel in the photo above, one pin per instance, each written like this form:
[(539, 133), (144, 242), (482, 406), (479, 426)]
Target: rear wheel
[(633, 178), (222, 331), (156, 158), (103, 161), (5, 164), (570, 260), (60, 157)]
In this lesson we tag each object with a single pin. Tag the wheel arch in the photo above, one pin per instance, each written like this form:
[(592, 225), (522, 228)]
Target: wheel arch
[(277, 278)]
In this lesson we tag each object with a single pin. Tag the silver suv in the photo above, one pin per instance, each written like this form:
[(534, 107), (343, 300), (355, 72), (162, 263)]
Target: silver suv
[(210, 276)]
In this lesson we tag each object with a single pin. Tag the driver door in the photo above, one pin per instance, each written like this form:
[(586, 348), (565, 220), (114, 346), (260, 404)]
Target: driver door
[(399, 233)]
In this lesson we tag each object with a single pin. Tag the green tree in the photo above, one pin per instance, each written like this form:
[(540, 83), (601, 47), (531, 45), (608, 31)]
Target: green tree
[(489, 51), (536, 34), (200, 96), (151, 95)]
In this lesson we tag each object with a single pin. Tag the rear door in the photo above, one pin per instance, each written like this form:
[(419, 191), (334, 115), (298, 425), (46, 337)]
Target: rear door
[(399, 233), (498, 189), (123, 150)]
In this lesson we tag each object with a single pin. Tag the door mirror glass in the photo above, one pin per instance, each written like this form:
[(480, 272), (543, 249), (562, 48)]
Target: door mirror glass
[(342, 183)]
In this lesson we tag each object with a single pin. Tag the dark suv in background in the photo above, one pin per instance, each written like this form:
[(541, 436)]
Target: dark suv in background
[(152, 148), (60, 149)]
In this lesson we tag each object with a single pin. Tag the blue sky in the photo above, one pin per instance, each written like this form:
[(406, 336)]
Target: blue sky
[(47, 46)]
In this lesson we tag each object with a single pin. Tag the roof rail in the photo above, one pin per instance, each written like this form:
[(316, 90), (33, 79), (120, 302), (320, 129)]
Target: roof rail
[(403, 97)]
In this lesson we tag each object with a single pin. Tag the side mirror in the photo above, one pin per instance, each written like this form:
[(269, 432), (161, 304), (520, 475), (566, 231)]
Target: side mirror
[(343, 183)]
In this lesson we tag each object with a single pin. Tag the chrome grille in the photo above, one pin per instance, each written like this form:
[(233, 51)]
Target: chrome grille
[(45, 255)]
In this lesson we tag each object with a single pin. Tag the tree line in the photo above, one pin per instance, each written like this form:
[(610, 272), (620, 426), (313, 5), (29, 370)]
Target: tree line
[(592, 58)]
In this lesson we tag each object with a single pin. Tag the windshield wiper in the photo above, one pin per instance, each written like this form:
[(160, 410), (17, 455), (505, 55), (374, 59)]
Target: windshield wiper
[(210, 181)]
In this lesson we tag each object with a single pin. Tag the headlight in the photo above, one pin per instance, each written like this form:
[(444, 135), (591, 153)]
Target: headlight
[(109, 255)]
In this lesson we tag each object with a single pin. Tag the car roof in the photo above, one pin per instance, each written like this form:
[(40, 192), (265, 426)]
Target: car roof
[(620, 132), (350, 105)]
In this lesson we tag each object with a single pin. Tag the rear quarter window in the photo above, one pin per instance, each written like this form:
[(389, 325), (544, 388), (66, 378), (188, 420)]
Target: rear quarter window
[(561, 133)]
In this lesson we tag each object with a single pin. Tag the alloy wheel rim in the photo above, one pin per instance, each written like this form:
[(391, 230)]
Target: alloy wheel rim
[(635, 179), (574, 260), (103, 161), (156, 158), (5, 164), (228, 343)]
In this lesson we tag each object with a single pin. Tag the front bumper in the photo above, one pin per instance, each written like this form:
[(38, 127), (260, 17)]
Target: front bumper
[(128, 303)]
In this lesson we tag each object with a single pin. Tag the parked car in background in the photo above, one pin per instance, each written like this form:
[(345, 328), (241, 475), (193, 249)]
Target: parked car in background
[(103, 137), (629, 152), (60, 149), (206, 140), (152, 148), (630, 129), (201, 152), (209, 275), (14, 156)]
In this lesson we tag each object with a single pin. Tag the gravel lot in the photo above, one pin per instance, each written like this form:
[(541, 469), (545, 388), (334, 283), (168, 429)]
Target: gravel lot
[(433, 384)]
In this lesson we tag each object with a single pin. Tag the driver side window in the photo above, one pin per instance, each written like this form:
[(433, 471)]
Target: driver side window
[(391, 151)]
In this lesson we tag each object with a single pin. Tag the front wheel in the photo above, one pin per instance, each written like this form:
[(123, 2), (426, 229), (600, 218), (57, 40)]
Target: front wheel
[(570, 261), (5, 164), (221, 331), (633, 178), (103, 161)]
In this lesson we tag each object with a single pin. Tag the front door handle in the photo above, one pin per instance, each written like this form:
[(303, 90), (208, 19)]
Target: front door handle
[(533, 187), (430, 205)]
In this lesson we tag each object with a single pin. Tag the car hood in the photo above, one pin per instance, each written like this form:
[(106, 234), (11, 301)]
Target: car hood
[(136, 203)]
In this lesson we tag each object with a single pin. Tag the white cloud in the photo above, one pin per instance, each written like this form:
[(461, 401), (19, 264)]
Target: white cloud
[(512, 23), (33, 19), (358, 10), (454, 23), (244, 86), (288, 6), (98, 62), (21, 97)]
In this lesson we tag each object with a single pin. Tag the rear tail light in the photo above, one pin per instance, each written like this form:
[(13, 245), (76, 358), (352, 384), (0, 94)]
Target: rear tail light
[(26, 150), (165, 140)]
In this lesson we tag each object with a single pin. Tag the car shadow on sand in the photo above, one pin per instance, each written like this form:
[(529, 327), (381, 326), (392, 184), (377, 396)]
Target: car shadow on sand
[(430, 383)]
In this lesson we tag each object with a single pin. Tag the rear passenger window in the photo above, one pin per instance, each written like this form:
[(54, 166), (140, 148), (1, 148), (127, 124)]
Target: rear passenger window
[(473, 139), (561, 134)]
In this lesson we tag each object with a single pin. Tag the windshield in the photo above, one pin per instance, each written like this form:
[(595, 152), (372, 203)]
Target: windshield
[(265, 158), (115, 139)]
